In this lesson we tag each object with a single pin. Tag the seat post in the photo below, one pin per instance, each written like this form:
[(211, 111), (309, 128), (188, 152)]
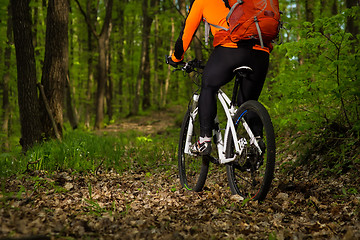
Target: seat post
[(235, 90), (242, 72)]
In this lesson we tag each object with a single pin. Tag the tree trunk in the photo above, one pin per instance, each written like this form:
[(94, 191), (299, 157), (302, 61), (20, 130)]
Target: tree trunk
[(120, 63), (90, 73), (130, 58), (144, 68), (69, 90), (90, 80), (136, 102), (103, 44), (103, 47), (299, 14), (26, 69), (70, 110), (198, 44), (146, 33), (352, 23), (101, 83), (109, 88), (156, 89), (6, 79), (55, 67), (309, 8), (167, 79)]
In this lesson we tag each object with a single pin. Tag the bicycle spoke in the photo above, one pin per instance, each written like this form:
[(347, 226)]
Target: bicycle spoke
[(243, 178)]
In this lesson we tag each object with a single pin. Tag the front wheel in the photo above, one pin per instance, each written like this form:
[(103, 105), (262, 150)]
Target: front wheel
[(192, 169), (250, 174)]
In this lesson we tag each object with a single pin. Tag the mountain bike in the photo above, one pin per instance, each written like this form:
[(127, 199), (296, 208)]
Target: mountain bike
[(249, 159)]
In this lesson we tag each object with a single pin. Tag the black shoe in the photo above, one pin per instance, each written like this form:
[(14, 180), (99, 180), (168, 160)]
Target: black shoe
[(201, 148)]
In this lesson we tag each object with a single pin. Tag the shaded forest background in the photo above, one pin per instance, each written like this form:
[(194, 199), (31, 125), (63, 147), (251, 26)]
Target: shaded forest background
[(88, 63)]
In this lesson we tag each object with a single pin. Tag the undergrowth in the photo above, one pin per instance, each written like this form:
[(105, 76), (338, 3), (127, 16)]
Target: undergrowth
[(88, 152), (332, 152)]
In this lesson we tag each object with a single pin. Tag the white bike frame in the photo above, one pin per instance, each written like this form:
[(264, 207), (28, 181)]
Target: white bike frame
[(230, 111)]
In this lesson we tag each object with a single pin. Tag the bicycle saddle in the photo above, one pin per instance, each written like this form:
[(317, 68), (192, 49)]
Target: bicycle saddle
[(243, 70)]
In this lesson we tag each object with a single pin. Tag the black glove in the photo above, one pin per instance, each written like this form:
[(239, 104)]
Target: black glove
[(172, 63)]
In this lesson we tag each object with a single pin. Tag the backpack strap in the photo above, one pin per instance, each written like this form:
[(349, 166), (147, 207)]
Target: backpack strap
[(238, 2), (259, 31), (207, 30)]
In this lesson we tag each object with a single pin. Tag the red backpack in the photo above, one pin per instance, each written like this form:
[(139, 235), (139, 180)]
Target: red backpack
[(251, 19)]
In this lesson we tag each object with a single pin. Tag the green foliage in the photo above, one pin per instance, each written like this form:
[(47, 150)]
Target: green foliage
[(317, 81), (88, 152), (312, 92)]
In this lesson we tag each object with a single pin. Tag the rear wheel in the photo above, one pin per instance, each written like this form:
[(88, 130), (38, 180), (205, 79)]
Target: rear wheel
[(251, 174), (192, 169)]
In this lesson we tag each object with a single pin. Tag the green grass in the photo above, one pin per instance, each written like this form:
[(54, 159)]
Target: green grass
[(87, 152)]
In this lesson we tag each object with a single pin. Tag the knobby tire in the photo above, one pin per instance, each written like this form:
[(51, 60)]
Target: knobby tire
[(245, 176), (193, 170)]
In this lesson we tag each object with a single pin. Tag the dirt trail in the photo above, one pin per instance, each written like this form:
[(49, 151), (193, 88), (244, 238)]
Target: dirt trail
[(154, 123), (152, 205)]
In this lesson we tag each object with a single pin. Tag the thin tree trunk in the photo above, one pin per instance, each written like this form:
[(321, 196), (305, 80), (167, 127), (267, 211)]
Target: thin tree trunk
[(147, 22), (90, 67), (89, 84), (70, 110), (136, 103), (70, 106), (103, 44), (103, 48), (156, 89), (167, 79), (352, 22), (101, 84), (197, 44), (6, 79), (144, 68), (299, 14), (120, 63), (55, 67), (309, 8), (130, 54), (109, 88), (31, 130)]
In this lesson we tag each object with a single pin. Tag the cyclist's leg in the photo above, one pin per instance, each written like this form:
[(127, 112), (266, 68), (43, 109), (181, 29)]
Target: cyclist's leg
[(218, 71), (250, 89)]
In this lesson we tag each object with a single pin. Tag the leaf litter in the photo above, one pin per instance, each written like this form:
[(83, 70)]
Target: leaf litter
[(139, 205)]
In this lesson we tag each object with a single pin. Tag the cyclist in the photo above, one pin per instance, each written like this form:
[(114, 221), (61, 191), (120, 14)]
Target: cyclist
[(219, 68)]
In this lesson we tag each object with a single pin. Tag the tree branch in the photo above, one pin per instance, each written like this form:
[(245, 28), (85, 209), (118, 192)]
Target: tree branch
[(107, 20), (87, 20)]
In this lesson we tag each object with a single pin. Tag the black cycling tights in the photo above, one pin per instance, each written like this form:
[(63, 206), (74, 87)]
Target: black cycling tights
[(219, 71)]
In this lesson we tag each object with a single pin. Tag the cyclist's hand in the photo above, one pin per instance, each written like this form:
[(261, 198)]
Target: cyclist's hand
[(172, 63)]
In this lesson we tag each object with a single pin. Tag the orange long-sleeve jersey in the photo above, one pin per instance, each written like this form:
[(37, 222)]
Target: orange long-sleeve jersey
[(214, 11)]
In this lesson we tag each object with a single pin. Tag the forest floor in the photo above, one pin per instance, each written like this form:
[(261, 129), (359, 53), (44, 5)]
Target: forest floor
[(152, 205)]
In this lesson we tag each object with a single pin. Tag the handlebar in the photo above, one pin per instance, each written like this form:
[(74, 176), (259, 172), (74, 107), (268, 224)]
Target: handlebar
[(190, 66)]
